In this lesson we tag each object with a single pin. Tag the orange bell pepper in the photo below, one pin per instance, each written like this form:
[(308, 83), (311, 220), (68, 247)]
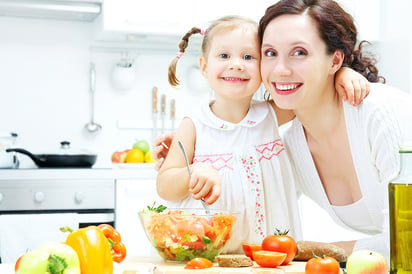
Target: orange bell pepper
[(92, 248), (118, 249)]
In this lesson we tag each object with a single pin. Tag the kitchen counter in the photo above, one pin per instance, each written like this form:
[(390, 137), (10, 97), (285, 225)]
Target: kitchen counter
[(117, 172), (154, 264)]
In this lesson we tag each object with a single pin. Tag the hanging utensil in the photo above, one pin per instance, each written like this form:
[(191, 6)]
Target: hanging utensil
[(205, 206), (172, 113), (92, 126), (154, 113), (163, 111)]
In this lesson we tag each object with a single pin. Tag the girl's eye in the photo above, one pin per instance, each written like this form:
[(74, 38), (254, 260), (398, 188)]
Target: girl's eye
[(248, 57), (270, 53), (224, 55), (299, 52)]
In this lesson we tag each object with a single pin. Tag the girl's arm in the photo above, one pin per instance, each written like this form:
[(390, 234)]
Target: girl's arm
[(173, 178), (351, 85), (173, 182)]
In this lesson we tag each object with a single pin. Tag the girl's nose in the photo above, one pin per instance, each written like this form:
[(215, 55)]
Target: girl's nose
[(236, 63)]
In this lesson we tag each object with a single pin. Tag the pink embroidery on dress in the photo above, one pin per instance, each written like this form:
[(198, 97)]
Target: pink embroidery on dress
[(223, 126), (250, 122), (250, 167), (217, 161), (269, 150)]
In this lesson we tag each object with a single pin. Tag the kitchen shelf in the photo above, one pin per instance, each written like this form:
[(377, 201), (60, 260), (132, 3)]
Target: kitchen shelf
[(146, 125)]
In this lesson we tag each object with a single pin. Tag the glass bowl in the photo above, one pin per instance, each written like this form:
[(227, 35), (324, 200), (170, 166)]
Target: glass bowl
[(184, 234)]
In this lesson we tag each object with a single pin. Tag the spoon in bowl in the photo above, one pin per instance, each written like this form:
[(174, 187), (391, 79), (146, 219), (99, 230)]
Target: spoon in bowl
[(205, 206)]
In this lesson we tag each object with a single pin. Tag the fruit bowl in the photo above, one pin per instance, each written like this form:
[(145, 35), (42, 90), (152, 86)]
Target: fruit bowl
[(184, 234)]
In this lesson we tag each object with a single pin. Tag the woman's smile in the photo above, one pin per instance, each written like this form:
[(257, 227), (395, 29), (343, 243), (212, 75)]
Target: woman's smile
[(286, 88)]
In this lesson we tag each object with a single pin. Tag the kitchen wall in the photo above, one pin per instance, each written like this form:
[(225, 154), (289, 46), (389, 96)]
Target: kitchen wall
[(44, 88)]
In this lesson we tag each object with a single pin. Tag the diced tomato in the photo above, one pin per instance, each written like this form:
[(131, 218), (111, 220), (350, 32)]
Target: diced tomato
[(195, 245), (268, 258), (198, 263), (249, 248)]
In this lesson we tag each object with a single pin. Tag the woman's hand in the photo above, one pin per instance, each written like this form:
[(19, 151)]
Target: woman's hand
[(161, 148), (351, 86), (205, 183)]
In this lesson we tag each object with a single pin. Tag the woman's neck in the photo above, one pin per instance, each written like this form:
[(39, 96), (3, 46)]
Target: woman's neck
[(320, 121), (230, 111)]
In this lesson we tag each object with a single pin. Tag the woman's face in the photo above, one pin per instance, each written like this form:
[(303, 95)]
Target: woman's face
[(296, 69)]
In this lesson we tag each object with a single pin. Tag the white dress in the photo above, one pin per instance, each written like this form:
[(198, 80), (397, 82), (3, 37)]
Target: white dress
[(375, 130), (255, 173)]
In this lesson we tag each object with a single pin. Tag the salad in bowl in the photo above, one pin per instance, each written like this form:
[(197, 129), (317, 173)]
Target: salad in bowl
[(184, 234)]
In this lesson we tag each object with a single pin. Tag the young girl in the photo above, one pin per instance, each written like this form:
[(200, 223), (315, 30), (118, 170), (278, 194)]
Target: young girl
[(237, 158)]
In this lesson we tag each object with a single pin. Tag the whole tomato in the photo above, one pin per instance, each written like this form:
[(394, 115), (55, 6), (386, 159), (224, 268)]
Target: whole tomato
[(322, 265), (281, 242)]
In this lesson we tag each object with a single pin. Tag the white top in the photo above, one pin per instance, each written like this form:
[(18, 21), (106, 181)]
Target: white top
[(375, 130), (254, 170), (355, 215)]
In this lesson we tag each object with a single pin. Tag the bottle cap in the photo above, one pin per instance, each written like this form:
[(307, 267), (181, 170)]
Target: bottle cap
[(405, 149)]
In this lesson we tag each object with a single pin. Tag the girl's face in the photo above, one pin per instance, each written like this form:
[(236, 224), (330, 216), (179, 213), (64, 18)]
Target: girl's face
[(232, 65), (296, 69)]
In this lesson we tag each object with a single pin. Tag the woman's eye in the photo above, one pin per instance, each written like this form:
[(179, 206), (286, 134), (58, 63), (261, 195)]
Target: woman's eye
[(299, 52), (270, 53), (224, 55), (248, 57)]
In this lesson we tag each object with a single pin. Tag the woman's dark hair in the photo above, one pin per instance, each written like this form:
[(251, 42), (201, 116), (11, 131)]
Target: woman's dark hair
[(336, 28)]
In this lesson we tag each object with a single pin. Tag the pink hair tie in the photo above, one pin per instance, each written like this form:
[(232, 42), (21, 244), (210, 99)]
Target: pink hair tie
[(203, 31), (179, 54)]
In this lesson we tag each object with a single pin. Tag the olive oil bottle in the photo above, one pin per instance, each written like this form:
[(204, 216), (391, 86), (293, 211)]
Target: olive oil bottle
[(400, 215)]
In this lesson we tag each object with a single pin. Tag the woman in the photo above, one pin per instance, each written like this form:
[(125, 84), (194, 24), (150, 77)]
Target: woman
[(344, 156)]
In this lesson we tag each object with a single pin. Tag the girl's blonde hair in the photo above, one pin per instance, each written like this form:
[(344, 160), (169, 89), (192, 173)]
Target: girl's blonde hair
[(224, 23)]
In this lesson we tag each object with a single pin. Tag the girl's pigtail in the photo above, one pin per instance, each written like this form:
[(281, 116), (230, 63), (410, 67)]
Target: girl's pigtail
[(182, 48)]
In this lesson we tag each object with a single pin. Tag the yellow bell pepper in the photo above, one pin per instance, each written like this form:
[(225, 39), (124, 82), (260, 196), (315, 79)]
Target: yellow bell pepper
[(92, 248)]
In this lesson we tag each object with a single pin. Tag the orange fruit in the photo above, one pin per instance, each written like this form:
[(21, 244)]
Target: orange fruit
[(135, 156)]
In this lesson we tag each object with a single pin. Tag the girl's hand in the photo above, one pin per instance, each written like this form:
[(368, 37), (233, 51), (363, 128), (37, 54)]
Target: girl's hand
[(205, 183), (351, 86), (161, 148)]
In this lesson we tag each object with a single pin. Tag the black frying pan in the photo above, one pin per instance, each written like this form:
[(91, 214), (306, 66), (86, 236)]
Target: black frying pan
[(59, 160)]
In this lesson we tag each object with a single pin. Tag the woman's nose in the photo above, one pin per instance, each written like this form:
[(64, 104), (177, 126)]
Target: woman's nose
[(282, 67)]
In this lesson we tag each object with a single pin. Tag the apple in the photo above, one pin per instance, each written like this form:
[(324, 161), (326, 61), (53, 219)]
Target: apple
[(119, 156), (142, 145), (366, 261)]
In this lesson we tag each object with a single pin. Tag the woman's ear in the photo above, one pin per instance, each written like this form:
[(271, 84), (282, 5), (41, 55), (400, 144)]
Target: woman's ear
[(337, 60), (202, 65)]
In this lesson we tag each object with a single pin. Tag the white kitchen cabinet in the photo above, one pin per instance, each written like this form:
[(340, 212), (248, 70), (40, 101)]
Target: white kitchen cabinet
[(138, 21), (142, 18), (131, 197)]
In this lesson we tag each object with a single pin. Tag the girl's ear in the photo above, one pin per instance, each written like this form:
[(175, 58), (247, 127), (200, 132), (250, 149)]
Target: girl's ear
[(337, 61), (202, 64)]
